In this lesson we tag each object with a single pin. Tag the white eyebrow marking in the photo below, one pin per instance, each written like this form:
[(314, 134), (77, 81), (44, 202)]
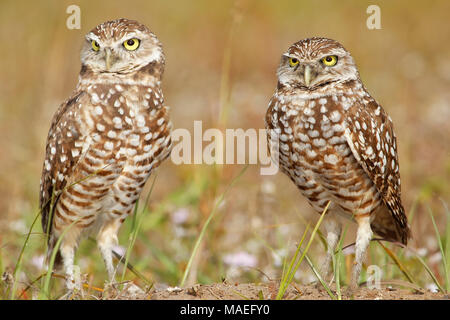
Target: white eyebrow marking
[(91, 36)]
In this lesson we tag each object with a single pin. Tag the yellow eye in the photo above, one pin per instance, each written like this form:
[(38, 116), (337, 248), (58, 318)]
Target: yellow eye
[(131, 44), (293, 62), (95, 45), (330, 61)]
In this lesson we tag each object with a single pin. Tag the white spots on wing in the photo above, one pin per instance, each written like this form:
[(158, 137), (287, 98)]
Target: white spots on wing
[(283, 147), (117, 123), (392, 152), (108, 145), (308, 112), (94, 98), (319, 142), (364, 126), (311, 153), (160, 121), (378, 111), (134, 140), (117, 103), (345, 105), (111, 134), (335, 116), (361, 138), (311, 120), (98, 110), (313, 133), (338, 127), (119, 88), (303, 137), (369, 151), (100, 127), (335, 140), (331, 159), (140, 121), (148, 136), (131, 152), (322, 101), (63, 158), (53, 150), (147, 147), (75, 153), (301, 146)]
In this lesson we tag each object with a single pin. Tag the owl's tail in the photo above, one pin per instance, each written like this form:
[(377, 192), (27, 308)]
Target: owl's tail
[(389, 228)]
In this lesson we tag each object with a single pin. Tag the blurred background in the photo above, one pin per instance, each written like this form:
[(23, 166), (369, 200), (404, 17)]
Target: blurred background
[(221, 59)]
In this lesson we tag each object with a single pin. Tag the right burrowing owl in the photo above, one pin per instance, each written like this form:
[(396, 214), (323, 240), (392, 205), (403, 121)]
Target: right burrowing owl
[(337, 144), (105, 140)]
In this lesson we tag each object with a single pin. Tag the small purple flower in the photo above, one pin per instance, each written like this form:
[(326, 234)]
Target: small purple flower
[(180, 216), (240, 259)]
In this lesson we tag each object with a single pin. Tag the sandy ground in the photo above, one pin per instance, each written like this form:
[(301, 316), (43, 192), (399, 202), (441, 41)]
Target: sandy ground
[(227, 291)]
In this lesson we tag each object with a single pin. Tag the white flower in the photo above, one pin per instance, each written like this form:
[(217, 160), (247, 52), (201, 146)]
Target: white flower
[(432, 287), (180, 216), (240, 259)]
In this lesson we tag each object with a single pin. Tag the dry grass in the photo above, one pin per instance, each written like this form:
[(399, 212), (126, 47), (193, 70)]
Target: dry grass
[(221, 62)]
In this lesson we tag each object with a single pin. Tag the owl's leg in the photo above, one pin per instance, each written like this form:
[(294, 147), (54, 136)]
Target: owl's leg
[(68, 254), (106, 239), (363, 237), (67, 251), (333, 228)]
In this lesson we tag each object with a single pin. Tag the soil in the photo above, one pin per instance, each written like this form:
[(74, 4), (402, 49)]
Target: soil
[(238, 291)]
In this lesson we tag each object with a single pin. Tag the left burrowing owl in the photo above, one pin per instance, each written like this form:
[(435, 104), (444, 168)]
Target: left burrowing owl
[(337, 144), (105, 140)]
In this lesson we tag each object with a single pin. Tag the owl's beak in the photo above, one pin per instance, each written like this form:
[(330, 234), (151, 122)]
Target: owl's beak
[(307, 75), (108, 58)]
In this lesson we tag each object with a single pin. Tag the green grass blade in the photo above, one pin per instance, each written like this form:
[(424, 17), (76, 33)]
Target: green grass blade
[(285, 275), (19, 260), (136, 225), (45, 293), (319, 277), (441, 248), (205, 226), (399, 264), (285, 282)]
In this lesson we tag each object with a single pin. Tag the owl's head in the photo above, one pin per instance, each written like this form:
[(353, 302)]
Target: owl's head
[(120, 46), (315, 63)]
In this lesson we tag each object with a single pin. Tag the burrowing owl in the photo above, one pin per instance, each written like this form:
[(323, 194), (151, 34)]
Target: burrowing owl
[(105, 140), (337, 144)]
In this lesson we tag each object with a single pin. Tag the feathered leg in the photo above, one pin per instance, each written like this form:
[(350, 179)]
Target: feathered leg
[(333, 228), (363, 237), (106, 239)]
